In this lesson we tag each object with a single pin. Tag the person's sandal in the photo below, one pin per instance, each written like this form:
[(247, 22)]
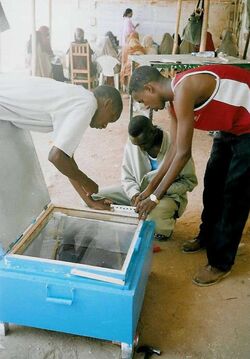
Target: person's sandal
[(193, 246), (161, 237)]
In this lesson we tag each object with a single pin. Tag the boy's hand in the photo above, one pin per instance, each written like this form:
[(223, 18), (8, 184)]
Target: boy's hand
[(133, 199), (143, 195), (145, 207)]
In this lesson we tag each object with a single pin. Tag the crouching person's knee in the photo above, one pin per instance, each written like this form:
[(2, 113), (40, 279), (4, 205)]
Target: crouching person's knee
[(164, 216)]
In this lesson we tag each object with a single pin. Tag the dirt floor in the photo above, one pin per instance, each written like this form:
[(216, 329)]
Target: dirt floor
[(183, 320)]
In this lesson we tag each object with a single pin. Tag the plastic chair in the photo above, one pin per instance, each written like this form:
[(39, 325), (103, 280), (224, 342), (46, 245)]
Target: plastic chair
[(107, 64)]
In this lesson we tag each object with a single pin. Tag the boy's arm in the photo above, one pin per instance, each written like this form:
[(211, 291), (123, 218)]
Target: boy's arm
[(184, 104)]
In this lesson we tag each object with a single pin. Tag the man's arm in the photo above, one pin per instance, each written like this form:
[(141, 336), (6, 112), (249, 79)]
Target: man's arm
[(79, 180), (101, 204), (128, 179), (67, 166)]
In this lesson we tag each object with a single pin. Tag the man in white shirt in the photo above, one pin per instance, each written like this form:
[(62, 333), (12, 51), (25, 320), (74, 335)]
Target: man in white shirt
[(45, 105), (143, 154)]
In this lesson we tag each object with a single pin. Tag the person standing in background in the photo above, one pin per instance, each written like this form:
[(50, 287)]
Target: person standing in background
[(113, 40), (132, 47), (44, 53), (166, 45), (128, 26), (149, 45)]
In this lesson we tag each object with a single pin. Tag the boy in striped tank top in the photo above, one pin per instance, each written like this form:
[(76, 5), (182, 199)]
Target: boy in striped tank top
[(210, 98)]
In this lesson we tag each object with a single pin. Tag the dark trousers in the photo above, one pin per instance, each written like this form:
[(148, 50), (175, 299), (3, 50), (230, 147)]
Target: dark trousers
[(226, 198)]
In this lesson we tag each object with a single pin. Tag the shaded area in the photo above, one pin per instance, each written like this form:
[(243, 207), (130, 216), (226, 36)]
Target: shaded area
[(183, 320)]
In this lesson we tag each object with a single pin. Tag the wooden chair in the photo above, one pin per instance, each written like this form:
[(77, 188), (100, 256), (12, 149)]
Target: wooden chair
[(80, 65)]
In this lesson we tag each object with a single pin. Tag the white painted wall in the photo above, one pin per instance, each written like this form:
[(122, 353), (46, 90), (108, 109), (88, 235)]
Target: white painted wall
[(96, 18), (157, 17)]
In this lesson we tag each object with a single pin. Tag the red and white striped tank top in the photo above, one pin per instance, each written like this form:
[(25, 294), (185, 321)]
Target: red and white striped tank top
[(228, 108)]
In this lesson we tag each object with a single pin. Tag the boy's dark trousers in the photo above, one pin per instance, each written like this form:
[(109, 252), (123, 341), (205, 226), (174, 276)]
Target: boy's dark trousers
[(226, 198)]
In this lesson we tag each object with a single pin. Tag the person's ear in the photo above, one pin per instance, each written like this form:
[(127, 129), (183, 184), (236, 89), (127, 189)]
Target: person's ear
[(107, 102), (149, 87)]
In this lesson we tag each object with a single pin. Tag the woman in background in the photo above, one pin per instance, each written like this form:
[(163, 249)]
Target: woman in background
[(133, 47), (128, 26)]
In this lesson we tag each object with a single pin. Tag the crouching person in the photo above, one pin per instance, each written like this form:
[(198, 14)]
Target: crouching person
[(143, 154)]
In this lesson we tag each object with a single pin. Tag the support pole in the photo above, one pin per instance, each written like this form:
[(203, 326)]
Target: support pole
[(235, 15), (33, 37), (177, 27), (246, 46), (50, 18), (0, 52), (204, 26)]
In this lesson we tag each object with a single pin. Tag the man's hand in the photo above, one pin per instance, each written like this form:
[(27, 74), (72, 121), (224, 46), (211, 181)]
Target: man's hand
[(101, 204), (145, 207), (89, 186)]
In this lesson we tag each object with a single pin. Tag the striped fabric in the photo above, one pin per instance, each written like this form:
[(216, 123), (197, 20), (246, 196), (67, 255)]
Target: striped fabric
[(228, 108)]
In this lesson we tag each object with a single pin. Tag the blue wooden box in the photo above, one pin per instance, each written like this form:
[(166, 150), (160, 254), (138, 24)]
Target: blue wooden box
[(76, 271)]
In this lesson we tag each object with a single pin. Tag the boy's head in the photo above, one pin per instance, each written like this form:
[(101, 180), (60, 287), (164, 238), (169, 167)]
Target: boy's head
[(146, 86), (142, 132), (109, 108)]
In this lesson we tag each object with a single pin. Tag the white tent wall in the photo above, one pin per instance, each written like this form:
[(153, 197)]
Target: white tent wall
[(66, 16), (96, 17)]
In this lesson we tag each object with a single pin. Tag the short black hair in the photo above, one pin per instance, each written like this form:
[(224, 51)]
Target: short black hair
[(138, 125), (142, 76), (110, 92)]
